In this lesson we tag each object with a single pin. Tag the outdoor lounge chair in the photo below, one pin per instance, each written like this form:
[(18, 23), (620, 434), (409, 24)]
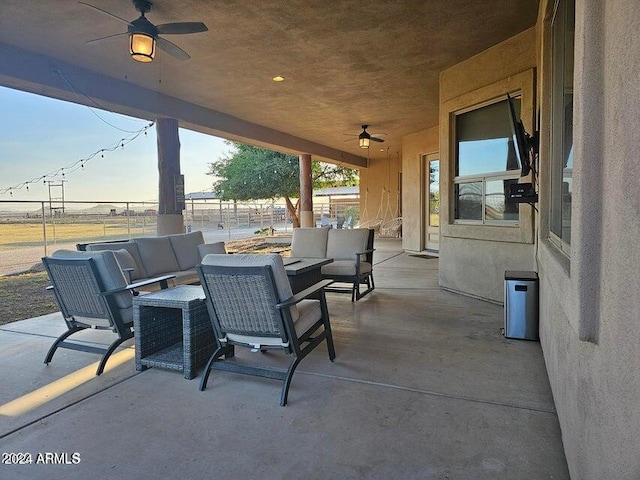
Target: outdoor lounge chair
[(352, 253), (92, 292), (251, 305)]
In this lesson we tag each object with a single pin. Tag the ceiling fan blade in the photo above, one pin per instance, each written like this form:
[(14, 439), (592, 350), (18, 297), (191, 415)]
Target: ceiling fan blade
[(95, 40), (126, 22), (376, 139), (180, 28), (172, 49)]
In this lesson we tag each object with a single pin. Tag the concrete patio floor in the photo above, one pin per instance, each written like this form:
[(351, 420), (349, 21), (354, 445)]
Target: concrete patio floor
[(424, 386)]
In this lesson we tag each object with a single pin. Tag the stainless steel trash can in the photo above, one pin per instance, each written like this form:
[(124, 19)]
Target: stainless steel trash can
[(521, 305)]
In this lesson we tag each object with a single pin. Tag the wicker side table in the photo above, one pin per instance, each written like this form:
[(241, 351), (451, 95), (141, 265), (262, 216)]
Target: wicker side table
[(173, 330)]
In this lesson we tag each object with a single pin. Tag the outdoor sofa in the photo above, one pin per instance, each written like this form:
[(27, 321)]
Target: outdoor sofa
[(147, 257), (351, 252)]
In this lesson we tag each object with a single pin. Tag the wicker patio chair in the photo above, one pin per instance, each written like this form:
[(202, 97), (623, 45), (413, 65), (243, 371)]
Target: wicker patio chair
[(392, 228), (92, 292), (251, 305)]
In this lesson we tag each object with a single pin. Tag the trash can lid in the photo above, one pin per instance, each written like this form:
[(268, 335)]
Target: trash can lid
[(520, 275)]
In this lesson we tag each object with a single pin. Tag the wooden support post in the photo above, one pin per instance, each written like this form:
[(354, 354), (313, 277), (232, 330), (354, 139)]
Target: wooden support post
[(306, 191), (170, 207)]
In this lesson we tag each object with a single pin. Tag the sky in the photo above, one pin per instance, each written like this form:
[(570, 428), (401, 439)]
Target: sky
[(39, 135)]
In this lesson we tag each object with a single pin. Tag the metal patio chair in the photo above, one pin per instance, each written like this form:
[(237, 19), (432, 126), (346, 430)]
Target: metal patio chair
[(251, 305), (92, 293), (352, 253)]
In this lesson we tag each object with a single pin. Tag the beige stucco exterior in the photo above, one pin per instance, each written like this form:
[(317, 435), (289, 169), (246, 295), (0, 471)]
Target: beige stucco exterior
[(590, 305), (589, 300)]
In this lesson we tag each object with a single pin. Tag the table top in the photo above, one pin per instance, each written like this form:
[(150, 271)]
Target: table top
[(298, 266), (177, 297)]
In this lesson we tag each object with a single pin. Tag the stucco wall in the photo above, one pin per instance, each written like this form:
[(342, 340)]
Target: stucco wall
[(479, 260), (414, 146), (473, 258), (590, 303)]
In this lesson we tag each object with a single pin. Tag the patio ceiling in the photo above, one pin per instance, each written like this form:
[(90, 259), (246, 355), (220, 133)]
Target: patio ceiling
[(345, 64)]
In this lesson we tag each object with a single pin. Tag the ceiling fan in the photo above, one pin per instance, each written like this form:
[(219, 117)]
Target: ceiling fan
[(144, 35), (365, 138)]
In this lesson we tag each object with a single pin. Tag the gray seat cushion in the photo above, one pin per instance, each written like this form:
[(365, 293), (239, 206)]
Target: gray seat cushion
[(185, 248), (157, 255), (345, 268)]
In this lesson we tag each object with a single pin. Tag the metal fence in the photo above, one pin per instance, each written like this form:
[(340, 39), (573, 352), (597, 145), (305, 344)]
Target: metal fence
[(30, 230)]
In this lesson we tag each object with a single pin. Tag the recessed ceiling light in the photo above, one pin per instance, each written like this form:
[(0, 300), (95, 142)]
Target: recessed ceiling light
[(278, 78)]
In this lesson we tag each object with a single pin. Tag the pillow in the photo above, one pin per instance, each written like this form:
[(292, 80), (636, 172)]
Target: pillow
[(207, 248), (130, 246), (125, 260)]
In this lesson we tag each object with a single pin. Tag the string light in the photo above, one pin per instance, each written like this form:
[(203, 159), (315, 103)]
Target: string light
[(77, 165)]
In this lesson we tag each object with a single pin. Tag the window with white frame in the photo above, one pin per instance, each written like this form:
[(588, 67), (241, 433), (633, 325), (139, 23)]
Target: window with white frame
[(486, 165), (561, 172)]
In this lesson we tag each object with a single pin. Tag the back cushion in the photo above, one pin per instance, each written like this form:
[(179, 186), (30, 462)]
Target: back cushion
[(309, 242), (274, 260), (157, 255), (344, 244), (130, 247), (185, 248)]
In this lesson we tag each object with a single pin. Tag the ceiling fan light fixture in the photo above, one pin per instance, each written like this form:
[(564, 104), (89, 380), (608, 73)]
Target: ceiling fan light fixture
[(142, 46), (364, 139)]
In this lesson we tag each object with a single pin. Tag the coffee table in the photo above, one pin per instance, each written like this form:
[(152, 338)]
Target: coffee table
[(304, 272), (173, 330)]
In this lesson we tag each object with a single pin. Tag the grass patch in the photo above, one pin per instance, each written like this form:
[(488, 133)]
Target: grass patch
[(24, 296), (29, 234)]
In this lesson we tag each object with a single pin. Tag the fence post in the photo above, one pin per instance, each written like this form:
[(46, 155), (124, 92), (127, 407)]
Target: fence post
[(128, 225), (44, 229)]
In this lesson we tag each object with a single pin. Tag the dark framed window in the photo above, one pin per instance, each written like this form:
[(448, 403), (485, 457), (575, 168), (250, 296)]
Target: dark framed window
[(561, 158), (486, 164)]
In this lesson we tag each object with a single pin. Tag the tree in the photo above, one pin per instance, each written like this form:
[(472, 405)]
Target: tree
[(252, 173)]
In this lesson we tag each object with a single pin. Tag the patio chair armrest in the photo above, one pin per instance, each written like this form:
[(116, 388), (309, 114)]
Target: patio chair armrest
[(133, 286), (360, 254), (304, 293)]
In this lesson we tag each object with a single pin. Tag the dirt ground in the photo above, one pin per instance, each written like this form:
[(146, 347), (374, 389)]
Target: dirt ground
[(24, 295)]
